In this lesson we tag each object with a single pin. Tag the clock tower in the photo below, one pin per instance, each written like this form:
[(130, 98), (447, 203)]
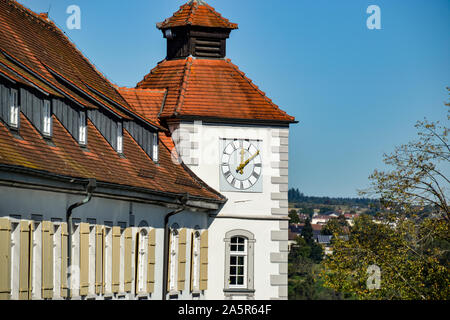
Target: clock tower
[(234, 138)]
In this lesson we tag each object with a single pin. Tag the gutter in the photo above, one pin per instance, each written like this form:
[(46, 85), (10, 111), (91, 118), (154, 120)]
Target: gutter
[(183, 200), (92, 184)]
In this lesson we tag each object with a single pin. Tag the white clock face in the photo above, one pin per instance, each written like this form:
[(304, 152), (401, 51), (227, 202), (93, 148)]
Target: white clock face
[(241, 164)]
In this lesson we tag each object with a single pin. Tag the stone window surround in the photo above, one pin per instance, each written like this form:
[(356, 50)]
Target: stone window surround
[(249, 291)]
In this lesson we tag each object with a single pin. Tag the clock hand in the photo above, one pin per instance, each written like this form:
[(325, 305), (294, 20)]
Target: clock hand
[(241, 171), (243, 165)]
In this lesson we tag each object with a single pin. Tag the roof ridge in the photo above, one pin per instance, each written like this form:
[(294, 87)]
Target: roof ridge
[(262, 93), (141, 89), (150, 73), (65, 37), (213, 11), (184, 83)]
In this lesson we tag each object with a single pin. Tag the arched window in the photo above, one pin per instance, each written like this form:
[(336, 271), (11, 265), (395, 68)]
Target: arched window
[(142, 260), (239, 261)]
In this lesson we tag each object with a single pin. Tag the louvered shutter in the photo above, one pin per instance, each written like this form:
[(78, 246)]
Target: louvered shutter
[(84, 259), (24, 267), (64, 258), (115, 259), (127, 261), (5, 259), (151, 261), (47, 259), (204, 260), (181, 259), (99, 259)]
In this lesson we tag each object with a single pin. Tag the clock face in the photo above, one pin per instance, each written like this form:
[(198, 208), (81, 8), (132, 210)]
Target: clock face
[(241, 164)]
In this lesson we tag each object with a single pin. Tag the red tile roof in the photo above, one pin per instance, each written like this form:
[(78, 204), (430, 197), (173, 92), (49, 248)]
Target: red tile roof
[(101, 162), (197, 13), (145, 102), (213, 88), (33, 43), (34, 52)]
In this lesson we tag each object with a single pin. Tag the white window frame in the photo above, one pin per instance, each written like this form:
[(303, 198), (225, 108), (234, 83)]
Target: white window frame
[(14, 108), (237, 255), (173, 251), (91, 268), (47, 119), (108, 260), (155, 147), (15, 259), (196, 261), (82, 132), (142, 261), (57, 259), (37, 261), (119, 137)]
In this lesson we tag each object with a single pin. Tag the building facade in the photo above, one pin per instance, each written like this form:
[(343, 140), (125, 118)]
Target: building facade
[(120, 193)]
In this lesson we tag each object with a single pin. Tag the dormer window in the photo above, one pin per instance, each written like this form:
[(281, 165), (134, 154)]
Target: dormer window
[(155, 147), (119, 137), (14, 109), (47, 119), (82, 137)]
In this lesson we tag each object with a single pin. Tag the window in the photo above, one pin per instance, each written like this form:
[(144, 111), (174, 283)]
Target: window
[(142, 261), (15, 260), (173, 259), (155, 147), (119, 138), (57, 260), (14, 109), (196, 261), (239, 263), (108, 259), (47, 118), (82, 138)]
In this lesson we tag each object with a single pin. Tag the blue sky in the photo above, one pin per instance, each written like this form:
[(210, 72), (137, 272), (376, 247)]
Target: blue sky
[(356, 92)]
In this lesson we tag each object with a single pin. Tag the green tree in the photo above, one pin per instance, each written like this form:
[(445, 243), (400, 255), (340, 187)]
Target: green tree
[(408, 242), (293, 217), (307, 232)]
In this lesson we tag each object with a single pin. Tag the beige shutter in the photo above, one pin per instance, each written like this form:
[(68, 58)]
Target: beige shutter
[(115, 259), (127, 262), (99, 239), (204, 260), (24, 267), (47, 259), (64, 258), (181, 259), (151, 261), (5, 259), (84, 259)]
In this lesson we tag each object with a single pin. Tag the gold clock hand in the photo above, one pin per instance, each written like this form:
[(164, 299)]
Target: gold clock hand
[(243, 165)]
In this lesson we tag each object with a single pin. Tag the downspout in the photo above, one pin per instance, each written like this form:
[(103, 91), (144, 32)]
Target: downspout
[(166, 243), (89, 189)]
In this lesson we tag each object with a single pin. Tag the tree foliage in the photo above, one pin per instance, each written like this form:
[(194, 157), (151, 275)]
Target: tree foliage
[(410, 247), (419, 177)]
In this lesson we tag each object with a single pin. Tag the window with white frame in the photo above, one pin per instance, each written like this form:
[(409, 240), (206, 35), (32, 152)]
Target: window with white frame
[(155, 147), (173, 259), (82, 136), (91, 290), (142, 260), (119, 137), (239, 263), (57, 260), (15, 260), (14, 109), (37, 261), (108, 259), (47, 119), (196, 261)]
